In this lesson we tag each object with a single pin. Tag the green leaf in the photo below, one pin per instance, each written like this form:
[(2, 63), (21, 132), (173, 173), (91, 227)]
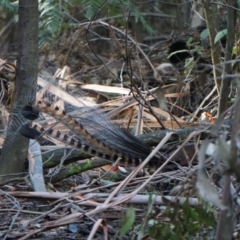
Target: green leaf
[(46, 10), (9, 6), (234, 50), (150, 198), (204, 34), (150, 203), (128, 221), (220, 35), (189, 41)]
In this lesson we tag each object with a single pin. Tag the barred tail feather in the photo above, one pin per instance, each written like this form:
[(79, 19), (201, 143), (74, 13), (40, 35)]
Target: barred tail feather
[(106, 139)]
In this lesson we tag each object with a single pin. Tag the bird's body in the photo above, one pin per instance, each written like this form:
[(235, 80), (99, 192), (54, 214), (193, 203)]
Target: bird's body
[(178, 52)]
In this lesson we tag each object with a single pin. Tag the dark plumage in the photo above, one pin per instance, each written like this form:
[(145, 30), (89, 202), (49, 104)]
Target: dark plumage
[(178, 57), (28, 132), (30, 113)]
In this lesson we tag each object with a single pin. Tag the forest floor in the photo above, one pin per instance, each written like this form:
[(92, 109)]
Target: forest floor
[(172, 113)]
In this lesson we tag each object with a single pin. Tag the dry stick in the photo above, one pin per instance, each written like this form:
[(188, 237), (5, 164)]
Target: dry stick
[(145, 56), (72, 218), (143, 199), (131, 39), (222, 230), (8, 25), (142, 52), (60, 165), (223, 212), (14, 218), (139, 126), (43, 215), (36, 167), (152, 176), (211, 21), (134, 173), (182, 109), (121, 108), (202, 103), (21, 211), (140, 167), (95, 228)]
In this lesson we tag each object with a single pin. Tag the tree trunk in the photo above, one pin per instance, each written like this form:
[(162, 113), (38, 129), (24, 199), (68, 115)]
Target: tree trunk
[(14, 151)]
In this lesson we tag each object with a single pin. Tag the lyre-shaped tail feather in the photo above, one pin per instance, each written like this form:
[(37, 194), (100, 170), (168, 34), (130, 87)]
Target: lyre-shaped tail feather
[(103, 137), (36, 130)]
